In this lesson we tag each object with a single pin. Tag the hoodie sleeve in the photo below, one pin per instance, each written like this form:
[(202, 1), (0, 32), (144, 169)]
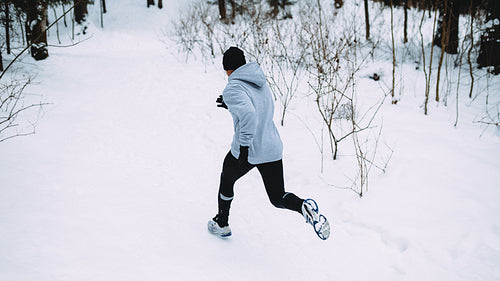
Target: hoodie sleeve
[(241, 107)]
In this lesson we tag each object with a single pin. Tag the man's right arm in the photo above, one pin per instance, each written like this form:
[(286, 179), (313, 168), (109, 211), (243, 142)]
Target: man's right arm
[(240, 105)]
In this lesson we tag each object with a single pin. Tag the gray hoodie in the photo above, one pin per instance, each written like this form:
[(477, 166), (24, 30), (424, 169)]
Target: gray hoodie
[(250, 102)]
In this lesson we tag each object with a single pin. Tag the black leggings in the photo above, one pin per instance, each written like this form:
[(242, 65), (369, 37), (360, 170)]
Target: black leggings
[(272, 175)]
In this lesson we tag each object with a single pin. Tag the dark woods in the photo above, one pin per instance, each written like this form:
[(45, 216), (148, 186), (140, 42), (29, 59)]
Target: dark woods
[(447, 37), (31, 19), (447, 32)]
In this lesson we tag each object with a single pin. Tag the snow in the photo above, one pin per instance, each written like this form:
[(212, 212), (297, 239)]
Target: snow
[(121, 177)]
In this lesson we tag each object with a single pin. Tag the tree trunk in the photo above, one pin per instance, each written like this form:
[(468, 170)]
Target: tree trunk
[(1, 61), (452, 24), (438, 37), (428, 82), (367, 20), (64, 12), (440, 65), (447, 32), (222, 9), (405, 8), (57, 24), (275, 9), (80, 11), (233, 8), (423, 62), (151, 3), (101, 14), (36, 30), (104, 6), (160, 4), (472, 13), (443, 31), (7, 26), (394, 101)]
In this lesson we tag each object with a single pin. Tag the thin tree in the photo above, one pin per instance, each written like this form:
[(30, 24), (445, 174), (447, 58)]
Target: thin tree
[(471, 11), (222, 9), (160, 4), (64, 19), (233, 8), (150, 3), (405, 27), (101, 7), (443, 34), (7, 21), (424, 67), (394, 101), (7, 39), (428, 75), (367, 20), (57, 25), (428, 83)]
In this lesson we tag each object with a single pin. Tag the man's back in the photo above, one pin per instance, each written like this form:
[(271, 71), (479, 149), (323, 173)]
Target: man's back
[(250, 102)]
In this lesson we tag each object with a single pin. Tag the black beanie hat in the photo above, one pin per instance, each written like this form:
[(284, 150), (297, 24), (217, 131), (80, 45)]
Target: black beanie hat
[(233, 58)]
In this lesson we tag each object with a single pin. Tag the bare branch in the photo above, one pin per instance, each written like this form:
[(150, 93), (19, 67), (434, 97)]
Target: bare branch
[(13, 111), (36, 39)]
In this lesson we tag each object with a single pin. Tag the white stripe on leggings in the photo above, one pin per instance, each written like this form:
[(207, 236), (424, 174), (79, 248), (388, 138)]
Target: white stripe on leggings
[(225, 198)]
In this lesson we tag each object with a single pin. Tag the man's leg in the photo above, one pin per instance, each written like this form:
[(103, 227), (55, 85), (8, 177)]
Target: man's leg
[(272, 175), (231, 172)]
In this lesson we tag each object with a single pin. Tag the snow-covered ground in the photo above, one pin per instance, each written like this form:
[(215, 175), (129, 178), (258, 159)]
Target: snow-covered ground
[(122, 176)]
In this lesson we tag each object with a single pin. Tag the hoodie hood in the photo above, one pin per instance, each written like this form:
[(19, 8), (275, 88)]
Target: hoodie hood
[(250, 73)]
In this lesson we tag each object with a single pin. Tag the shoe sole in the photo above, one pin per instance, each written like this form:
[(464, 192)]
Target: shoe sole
[(318, 221), (216, 233), (322, 228)]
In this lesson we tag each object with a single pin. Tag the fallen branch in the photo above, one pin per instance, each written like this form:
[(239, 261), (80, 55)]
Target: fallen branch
[(73, 44)]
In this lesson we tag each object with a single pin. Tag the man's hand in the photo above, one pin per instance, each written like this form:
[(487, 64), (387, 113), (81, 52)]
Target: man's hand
[(243, 159), (220, 102)]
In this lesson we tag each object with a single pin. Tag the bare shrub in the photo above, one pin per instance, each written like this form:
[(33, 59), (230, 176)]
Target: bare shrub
[(490, 118), (317, 51), (335, 56), (286, 66), (194, 29), (18, 113), (332, 67)]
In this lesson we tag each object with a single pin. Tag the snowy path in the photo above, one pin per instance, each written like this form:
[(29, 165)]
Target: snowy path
[(121, 178)]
